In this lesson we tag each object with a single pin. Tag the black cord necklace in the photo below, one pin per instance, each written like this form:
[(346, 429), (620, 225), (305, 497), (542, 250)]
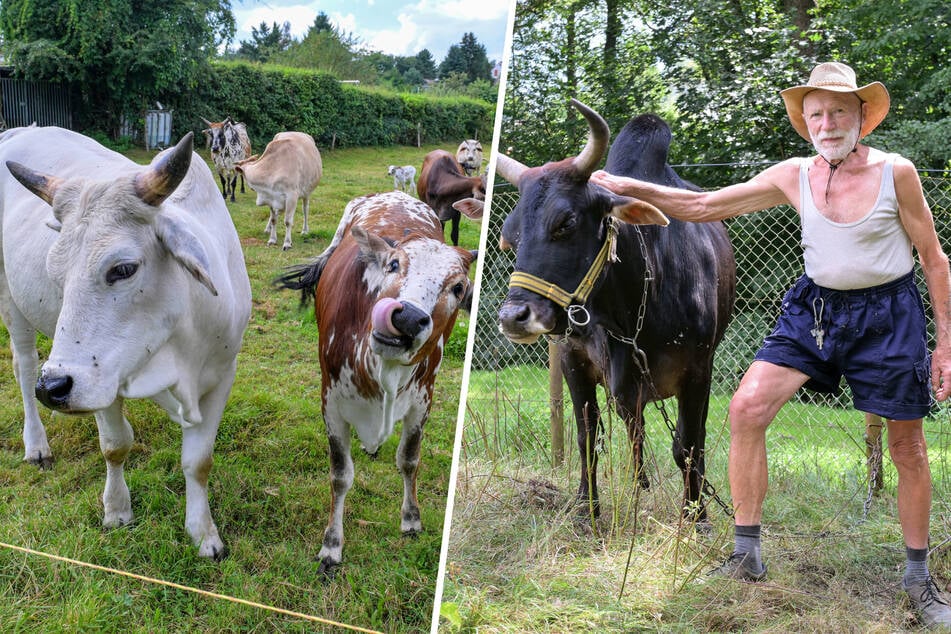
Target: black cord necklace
[(832, 168)]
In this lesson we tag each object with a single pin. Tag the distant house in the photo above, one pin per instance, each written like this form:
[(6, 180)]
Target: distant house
[(23, 102)]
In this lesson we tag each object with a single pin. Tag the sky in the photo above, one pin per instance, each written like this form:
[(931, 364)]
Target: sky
[(396, 27)]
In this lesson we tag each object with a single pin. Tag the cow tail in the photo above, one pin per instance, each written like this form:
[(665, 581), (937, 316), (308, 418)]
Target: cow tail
[(303, 278)]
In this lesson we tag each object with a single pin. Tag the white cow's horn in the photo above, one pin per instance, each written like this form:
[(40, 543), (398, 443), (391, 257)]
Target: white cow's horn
[(165, 173), (598, 136)]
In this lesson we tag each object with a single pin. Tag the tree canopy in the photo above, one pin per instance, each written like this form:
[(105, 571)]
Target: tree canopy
[(123, 52), (713, 70)]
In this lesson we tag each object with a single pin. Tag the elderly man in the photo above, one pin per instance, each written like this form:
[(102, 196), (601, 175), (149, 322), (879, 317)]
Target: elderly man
[(862, 212)]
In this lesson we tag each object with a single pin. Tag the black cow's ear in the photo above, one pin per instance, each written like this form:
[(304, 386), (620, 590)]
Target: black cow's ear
[(637, 212)]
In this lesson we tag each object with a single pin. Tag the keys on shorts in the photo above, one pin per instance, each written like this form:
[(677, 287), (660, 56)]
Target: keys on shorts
[(818, 331)]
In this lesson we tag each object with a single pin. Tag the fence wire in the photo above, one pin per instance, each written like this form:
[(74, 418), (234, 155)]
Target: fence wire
[(509, 380)]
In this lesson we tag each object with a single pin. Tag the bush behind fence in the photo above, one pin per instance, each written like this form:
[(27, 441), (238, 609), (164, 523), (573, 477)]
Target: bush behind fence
[(769, 259)]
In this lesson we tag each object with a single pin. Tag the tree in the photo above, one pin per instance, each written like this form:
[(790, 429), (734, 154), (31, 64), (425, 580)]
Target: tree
[(266, 41), (468, 58), (330, 50), (125, 54)]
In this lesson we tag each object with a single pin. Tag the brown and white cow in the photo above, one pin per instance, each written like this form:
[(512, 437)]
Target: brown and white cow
[(137, 274), (387, 291), (289, 169), (229, 144), (442, 183), (469, 155)]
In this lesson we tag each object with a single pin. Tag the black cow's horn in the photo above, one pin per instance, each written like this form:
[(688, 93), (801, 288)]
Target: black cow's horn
[(165, 173), (509, 169), (598, 136)]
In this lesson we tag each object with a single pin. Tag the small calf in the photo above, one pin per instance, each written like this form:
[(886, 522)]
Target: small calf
[(404, 178)]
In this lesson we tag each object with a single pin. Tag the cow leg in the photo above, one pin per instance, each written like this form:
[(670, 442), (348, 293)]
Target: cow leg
[(581, 376), (290, 206), (454, 231), (630, 408), (36, 447), (341, 479), (241, 176), (198, 446), (224, 185), (689, 443), (306, 210), (232, 184), (271, 227), (115, 442), (407, 461)]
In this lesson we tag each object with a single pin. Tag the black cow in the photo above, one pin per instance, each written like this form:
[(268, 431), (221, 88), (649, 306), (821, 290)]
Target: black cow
[(560, 224)]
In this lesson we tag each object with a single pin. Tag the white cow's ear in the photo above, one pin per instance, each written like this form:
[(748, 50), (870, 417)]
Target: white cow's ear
[(42, 185), (184, 247)]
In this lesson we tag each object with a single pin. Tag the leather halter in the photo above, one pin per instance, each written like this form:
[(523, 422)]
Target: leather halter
[(560, 296)]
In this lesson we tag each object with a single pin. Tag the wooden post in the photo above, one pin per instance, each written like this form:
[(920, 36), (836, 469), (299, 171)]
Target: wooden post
[(873, 448), (556, 406)]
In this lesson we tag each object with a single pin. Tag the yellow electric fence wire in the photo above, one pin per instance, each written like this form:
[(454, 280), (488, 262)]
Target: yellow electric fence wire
[(206, 593)]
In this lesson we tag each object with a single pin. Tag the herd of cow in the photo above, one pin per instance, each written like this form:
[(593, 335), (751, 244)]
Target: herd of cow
[(137, 275)]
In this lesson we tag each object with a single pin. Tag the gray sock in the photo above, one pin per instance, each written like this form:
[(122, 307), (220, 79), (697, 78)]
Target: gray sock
[(916, 566), (746, 540)]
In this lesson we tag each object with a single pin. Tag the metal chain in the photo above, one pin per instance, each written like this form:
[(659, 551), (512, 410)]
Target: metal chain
[(640, 359)]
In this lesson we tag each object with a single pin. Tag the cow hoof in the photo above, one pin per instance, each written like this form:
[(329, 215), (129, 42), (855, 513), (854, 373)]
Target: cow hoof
[(412, 533), (285, 247), (644, 481), (217, 554), (41, 460), (327, 569), (373, 454), (117, 519)]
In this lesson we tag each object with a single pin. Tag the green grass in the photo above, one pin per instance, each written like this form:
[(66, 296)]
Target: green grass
[(269, 487), (521, 561)]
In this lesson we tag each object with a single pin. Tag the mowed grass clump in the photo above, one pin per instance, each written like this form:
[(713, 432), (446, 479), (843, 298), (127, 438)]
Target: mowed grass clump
[(522, 560), (269, 487)]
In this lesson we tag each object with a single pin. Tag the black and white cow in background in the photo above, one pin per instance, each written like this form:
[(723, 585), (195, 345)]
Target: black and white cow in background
[(229, 144)]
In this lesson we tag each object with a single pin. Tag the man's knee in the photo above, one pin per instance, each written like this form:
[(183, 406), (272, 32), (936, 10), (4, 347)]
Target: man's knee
[(748, 414), (908, 450)]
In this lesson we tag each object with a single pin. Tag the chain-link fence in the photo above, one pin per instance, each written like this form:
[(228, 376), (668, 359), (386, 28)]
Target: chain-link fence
[(769, 259)]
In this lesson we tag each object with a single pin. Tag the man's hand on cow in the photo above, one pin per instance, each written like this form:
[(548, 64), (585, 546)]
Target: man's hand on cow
[(617, 184)]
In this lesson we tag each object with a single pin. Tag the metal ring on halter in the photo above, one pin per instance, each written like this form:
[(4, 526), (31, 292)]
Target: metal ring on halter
[(578, 308)]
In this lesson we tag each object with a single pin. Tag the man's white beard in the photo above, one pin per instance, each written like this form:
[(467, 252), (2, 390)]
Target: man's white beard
[(840, 150)]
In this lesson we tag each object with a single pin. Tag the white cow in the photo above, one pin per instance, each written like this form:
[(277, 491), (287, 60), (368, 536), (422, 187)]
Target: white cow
[(469, 155), (290, 168), (137, 275), (404, 178)]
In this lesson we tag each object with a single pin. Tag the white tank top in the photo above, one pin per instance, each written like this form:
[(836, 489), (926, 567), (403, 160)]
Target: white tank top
[(870, 251)]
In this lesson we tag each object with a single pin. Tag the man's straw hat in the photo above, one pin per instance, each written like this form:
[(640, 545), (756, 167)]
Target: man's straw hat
[(836, 77)]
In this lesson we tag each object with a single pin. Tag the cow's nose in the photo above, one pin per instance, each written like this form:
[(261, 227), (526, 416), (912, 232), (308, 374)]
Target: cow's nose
[(53, 391), (410, 320), (514, 316)]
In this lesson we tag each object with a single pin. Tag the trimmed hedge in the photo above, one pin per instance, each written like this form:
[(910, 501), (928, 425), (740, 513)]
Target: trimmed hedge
[(272, 99)]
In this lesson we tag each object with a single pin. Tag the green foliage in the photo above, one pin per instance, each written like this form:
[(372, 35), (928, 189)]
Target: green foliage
[(120, 55), (265, 42), (270, 99), (713, 70), (468, 58)]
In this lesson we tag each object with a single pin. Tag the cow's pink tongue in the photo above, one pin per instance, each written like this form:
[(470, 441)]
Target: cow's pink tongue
[(382, 316)]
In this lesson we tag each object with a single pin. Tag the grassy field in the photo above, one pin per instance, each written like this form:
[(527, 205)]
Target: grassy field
[(520, 561), (269, 487)]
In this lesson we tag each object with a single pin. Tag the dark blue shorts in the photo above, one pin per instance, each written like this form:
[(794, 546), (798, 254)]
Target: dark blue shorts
[(875, 337)]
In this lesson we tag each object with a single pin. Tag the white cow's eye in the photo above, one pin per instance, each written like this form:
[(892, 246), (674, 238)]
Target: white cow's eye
[(459, 290), (393, 266), (121, 271)]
